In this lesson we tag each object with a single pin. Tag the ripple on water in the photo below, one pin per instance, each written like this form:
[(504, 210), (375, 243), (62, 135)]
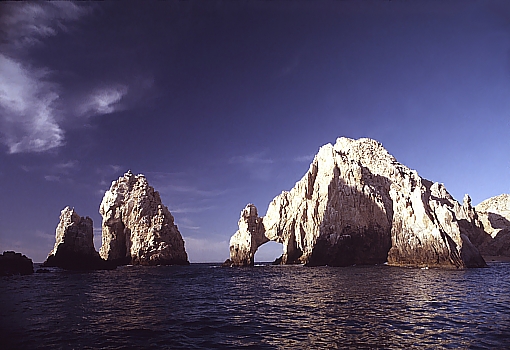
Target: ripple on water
[(266, 307)]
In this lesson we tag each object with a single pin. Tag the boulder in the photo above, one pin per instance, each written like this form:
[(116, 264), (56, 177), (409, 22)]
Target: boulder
[(12, 263), (357, 205), (74, 244), (137, 228)]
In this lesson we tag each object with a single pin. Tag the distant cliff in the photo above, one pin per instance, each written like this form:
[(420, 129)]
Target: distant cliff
[(137, 228), (494, 213), (358, 205)]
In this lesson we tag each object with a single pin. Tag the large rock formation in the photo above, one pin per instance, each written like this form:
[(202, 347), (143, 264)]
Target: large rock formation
[(494, 213), (74, 244), (137, 227), (12, 263), (358, 205)]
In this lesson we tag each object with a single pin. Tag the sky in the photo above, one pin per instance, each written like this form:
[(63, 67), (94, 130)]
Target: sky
[(224, 103)]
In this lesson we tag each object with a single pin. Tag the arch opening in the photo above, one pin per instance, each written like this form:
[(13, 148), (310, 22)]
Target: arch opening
[(268, 252)]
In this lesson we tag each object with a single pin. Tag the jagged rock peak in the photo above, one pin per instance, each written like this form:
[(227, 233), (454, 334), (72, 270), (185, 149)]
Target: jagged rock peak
[(137, 228), (74, 244), (358, 205)]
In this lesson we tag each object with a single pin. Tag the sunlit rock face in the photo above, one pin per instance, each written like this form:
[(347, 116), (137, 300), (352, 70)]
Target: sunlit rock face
[(137, 228), (494, 213), (248, 238), (74, 244), (358, 205)]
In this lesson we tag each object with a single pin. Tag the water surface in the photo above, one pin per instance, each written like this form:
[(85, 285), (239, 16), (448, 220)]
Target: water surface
[(203, 306)]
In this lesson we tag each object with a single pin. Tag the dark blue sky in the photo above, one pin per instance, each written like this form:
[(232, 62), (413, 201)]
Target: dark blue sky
[(224, 103)]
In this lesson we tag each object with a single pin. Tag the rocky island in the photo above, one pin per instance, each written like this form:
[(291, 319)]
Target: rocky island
[(137, 229), (12, 263), (358, 205)]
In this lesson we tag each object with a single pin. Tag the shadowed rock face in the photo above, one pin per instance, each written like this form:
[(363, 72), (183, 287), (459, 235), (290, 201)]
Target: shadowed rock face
[(74, 244), (358, 205), (137, 228), (12, 263), (494, 213)]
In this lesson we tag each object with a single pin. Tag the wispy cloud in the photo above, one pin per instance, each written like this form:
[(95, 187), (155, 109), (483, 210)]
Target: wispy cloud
[(206, 250), (257, 165), (27, 111), (52, 178), (32, 110), (304, 159), (27, 23), (257, 158), (185, 210), (103, 101), (191, 190)]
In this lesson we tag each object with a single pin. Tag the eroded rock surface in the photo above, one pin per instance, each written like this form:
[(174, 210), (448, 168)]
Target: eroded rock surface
[(137, 228), (74, 244), (494, 213), (358, 205)]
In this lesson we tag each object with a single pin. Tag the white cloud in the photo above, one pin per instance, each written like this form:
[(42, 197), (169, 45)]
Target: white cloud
[(103, 101), (27, 114), (32, 112)]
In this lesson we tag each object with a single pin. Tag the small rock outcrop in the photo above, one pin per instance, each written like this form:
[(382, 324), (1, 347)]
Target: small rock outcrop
[(12, 263), (137, 228), (358, 205), (74, 244), (494, 213), (248, 238)]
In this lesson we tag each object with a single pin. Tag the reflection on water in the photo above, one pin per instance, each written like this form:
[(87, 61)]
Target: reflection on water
[(273, 307)]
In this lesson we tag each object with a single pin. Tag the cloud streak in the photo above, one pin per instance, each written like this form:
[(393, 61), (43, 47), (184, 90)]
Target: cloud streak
[(103, 101), (27, 113), (28, 23), (32, 111)]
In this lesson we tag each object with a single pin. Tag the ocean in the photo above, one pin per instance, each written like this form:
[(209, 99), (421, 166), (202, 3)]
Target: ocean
[(204, 306)]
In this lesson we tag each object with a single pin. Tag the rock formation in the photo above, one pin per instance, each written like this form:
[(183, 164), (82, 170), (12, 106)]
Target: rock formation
[(248, 238), (74, 244), (12, 263), (494, 213), (358, 205), (137, 228)]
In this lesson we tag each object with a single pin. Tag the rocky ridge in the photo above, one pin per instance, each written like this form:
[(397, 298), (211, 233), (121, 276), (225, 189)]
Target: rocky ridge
[(137, 228), (357, 205)]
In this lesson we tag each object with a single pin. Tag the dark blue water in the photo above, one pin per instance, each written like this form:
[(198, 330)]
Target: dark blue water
[(267, 307)]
